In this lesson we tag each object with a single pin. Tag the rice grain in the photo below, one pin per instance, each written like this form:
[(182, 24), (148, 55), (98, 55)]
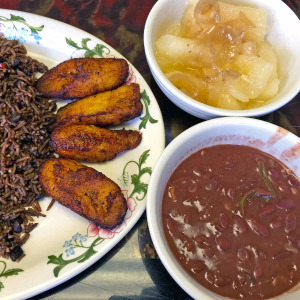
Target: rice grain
[(25, 119)]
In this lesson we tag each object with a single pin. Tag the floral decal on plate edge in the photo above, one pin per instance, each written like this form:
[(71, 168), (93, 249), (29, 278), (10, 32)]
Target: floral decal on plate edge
[(7, 272), (9, 29), (81, 247)]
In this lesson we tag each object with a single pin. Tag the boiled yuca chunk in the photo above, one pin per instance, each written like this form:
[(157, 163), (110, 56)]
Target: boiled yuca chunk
[(270, 91), (267, 52), (219, 97), (178, 50), (253, 18), (255, 73)]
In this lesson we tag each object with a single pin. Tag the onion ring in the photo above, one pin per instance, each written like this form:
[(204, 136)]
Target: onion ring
[(207, 11)]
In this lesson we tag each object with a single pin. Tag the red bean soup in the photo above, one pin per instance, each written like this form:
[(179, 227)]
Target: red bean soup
[(231, 217)]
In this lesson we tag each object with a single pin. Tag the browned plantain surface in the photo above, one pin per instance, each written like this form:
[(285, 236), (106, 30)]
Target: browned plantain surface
[(84, 190), (82, 77), (103, 109), (92, 143)]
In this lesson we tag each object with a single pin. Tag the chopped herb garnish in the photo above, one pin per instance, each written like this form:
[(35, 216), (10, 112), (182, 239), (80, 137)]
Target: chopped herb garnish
[(257, 192), (264, 175), (242, 202)]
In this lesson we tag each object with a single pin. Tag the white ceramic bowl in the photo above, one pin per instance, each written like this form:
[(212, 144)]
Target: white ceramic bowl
[(284, 36), (228, 130)]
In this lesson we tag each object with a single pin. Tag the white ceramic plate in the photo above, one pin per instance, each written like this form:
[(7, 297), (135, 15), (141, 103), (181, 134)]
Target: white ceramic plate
[(64, 244)]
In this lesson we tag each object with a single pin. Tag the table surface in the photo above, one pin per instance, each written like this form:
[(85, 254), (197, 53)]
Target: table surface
[(132, 269)]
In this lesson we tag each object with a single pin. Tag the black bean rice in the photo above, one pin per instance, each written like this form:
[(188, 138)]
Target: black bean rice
[(25, 121)]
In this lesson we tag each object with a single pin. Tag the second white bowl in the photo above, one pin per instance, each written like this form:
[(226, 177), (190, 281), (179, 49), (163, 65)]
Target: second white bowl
[(267, 137), (284, 36)]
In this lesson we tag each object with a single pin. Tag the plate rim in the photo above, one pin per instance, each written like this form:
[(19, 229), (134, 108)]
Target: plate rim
[(50, 284)]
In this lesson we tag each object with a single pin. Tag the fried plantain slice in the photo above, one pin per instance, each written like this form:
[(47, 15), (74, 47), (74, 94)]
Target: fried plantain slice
[(82, 77), (92, 143), (84, 190), (103, 109)]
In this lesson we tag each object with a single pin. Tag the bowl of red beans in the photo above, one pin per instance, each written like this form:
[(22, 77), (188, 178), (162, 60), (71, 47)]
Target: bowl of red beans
[(216, 58), (223, 210)]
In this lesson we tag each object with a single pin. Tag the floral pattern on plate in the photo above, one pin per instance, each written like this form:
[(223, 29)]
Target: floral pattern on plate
[(64, 244)]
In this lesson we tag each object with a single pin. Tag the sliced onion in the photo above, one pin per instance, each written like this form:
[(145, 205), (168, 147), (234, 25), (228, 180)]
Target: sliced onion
[(225, 43), (187, 83), (213, 74), (207, 11)]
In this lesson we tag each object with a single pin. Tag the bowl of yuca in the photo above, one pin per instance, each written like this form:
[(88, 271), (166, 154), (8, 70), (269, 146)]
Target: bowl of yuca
[(224, 58)]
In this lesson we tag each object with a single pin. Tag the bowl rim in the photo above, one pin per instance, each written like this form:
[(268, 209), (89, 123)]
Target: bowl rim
[(153, 208), (182, 100)]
